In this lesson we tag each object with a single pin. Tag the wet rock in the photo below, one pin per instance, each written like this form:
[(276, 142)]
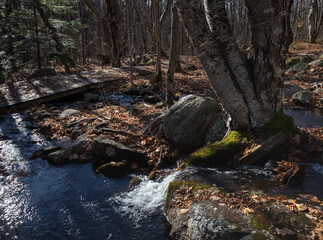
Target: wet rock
[(298, 68), (91, 97), (289, 90), (302, 98), (75, 153), (151, 99), (316, 63), (114, 169), (134, 182), (262, 149), (43, 72), (69, 113), (108, 150), (42, 153), (193, 120)]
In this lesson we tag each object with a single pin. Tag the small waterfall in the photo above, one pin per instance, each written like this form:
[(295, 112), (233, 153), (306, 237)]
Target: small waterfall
[(145, 199)]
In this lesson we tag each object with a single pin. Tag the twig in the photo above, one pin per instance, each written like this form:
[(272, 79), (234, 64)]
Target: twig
[(144, 131)]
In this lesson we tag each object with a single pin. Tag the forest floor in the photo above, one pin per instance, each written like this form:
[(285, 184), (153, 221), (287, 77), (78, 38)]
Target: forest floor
[(132, 118)]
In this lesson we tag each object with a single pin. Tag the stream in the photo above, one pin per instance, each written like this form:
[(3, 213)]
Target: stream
[(41, 201)]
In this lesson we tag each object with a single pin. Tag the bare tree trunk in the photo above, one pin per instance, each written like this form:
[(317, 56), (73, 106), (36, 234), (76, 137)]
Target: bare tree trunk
[(109, 23), (130, 37), (173, 58), (251, 94), (312, 22), (158, 77)]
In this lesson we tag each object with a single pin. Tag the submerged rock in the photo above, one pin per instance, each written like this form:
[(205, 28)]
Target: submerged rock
[(193, 120), (75, 153)]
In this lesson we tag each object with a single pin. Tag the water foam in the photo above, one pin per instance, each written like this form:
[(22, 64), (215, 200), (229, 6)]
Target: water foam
[(144, 199)]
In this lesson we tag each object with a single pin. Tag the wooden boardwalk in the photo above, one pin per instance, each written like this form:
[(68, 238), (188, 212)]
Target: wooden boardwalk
[(26, 93)]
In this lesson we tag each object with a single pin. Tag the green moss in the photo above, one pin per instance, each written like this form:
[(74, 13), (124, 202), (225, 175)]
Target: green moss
[(219, 152), (262, 221), (148, 62), (279, 123), (175, 185)]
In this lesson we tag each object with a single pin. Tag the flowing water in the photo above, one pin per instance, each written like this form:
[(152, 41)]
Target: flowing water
[(40, 201)]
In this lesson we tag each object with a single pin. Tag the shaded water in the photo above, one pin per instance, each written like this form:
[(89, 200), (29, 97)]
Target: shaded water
[(306, 119)]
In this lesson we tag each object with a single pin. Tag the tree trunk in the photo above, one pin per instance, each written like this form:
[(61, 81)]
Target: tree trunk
[(173, 58), (109, 23), (312, 22), (158, 77), (37, 35), (250, 93)]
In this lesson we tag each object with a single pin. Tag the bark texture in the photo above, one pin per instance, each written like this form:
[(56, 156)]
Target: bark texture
[(249, 89)]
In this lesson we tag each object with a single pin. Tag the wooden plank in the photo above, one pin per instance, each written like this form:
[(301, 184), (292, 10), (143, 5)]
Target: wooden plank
[(51, 97)]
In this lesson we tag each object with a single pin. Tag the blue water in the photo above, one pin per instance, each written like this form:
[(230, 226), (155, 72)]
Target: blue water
[(40, 201)]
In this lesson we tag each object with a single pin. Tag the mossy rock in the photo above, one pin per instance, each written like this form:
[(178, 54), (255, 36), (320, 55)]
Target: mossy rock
[(114, 169), (175, 185), (218, 153), (279, 123)]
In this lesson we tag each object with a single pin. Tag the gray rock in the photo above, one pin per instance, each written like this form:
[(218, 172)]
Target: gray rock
[(291, 62), (43, 153), (106, 149), (316, 63), (114, 169), (43, 72), (318, 90), (193, 120), (75, 153), (298, 68), (289, 90), (91, 97), (69, 113), (302, 98)]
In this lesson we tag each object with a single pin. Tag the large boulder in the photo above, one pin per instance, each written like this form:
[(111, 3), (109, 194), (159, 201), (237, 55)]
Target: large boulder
[(193, 121), (75, 153), (105, 149)]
